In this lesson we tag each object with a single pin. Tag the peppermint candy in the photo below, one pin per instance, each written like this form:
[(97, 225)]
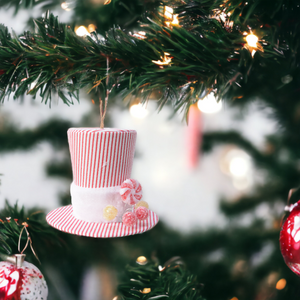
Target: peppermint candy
[(129, 219), (131, 191), (142, 213)]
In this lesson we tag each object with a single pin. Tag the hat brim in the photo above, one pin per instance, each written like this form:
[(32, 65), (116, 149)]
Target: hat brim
[(63, 219)]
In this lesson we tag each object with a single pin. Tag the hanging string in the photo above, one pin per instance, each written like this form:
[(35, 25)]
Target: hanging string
[(29, 241), (103, 111)]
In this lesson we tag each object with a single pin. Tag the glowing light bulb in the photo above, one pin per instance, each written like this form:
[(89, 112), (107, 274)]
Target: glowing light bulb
[(252, 40), (81, 31), (64, 5), (141, 260), (175, 21), (138, 111), (280, 285), (209, 104), (171, 19), (67, 5), (239, 166), (146, 290), (165, 60), (169, 12)]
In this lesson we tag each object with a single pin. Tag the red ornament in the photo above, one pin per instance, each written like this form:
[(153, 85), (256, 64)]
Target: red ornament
[(2, 72), (11, 284), (290, 239), (24, 283)]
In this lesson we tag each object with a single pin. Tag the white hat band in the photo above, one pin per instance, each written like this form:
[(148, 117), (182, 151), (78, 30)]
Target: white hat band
[(89, 204)]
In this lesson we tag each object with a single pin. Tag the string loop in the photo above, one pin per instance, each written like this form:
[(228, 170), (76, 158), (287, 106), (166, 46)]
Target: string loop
[(107, 92), (29, 241)]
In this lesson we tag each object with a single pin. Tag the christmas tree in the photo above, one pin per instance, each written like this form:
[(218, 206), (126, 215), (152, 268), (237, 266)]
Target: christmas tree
[(240, 52)]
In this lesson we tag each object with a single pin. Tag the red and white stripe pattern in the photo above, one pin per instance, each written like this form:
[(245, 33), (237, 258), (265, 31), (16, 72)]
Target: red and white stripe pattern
[(62, 219), (101, 157)]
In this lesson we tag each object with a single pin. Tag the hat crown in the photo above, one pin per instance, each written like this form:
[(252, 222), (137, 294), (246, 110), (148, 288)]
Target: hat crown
[(101, 157)]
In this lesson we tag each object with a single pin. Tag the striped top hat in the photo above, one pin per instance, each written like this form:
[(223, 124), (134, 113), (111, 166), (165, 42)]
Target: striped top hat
[(106, 202)]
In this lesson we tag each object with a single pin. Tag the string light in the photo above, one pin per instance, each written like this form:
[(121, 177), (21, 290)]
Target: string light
[(237, 164), (68, 5), (252, 43), (175, 21), (81, 31), (65, 6), (165, 60), (138, 111), (171, 19), (141, 260), (146, 290), (280, 285), (169, 12), (209, 104), (252, 40)]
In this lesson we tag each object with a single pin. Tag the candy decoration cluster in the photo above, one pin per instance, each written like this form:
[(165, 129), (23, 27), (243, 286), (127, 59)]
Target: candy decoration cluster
[(131, 193)]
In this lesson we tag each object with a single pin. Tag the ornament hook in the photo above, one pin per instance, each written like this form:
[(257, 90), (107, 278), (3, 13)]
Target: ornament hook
[(29, 241)]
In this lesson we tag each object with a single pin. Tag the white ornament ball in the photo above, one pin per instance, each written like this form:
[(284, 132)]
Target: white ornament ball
[(25, 283)]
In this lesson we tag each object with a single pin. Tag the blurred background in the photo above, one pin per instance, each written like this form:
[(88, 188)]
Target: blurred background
[(207, 181)]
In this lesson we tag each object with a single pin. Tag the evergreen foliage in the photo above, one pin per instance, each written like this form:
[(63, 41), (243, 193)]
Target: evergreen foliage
[(152, 281), (206, 56), (13, 219)]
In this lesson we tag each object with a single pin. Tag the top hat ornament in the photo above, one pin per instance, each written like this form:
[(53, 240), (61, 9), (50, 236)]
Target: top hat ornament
[(106, 202)]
